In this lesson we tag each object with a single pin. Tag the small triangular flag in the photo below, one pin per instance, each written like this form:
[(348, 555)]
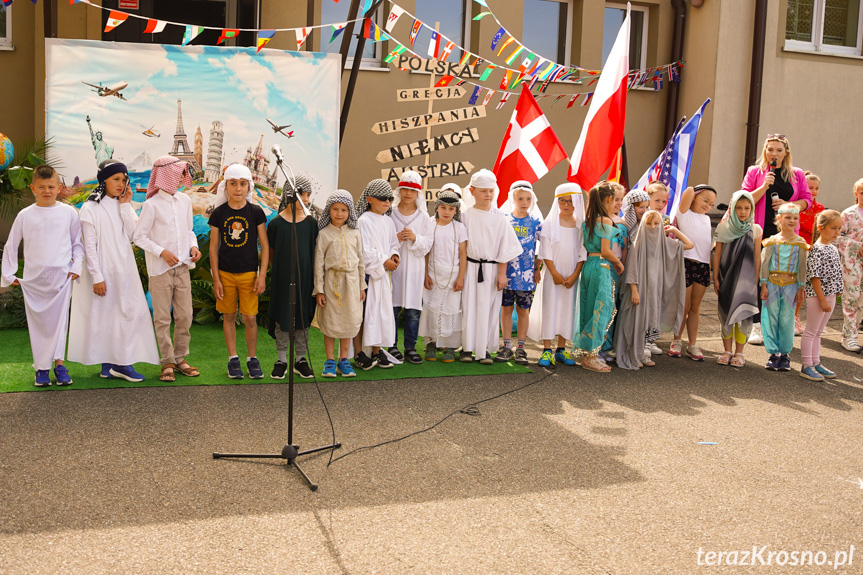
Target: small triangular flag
[(115, 18), (191, 33), (154, 26), (227, 34), (264, 36), (302, 34)]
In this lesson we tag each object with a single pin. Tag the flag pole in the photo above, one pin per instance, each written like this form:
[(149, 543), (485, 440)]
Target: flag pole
[(429, 127), (355, 65)]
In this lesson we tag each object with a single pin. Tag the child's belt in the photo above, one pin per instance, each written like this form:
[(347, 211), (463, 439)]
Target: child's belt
[(782, 279), (479, 277)]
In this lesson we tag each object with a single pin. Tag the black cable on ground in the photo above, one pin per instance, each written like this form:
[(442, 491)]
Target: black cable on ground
[(469, 409)]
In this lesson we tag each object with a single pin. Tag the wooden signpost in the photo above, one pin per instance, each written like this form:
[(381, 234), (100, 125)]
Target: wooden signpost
[(428, 145)]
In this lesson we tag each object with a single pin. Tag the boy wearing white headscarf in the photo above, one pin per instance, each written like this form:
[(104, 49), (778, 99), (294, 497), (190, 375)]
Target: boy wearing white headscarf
[(415, 232), (236, 227), (562, 250), (522, 272), (165, 231), (491, 244)]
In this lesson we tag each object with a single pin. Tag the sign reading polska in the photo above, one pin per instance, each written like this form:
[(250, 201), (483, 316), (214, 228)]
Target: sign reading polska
[(439, 67), (432, 119), (428, 145), (442, 93), (448, 170)]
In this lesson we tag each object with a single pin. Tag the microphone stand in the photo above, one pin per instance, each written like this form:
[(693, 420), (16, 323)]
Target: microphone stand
[(289, 452)]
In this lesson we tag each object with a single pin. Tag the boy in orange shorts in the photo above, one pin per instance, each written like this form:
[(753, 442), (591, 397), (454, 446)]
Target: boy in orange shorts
[(236, 227)]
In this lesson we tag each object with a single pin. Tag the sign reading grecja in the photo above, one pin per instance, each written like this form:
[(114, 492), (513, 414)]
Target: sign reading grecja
[(432, 171), (441, 93), (428, 145), (433, 119)]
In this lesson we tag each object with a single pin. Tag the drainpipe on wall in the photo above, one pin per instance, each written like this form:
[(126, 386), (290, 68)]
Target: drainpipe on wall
[(753, 120), (676, 55)]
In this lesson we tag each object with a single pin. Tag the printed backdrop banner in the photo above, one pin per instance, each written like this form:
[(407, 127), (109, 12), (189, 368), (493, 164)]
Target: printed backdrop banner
[(212, 106)]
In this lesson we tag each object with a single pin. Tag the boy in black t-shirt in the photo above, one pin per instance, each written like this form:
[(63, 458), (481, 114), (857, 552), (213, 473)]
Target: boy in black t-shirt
[(236, 227)]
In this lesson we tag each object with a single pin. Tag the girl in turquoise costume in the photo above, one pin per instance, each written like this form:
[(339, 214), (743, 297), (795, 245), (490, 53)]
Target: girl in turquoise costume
[(598, 288), (619, 246), (783, 276)]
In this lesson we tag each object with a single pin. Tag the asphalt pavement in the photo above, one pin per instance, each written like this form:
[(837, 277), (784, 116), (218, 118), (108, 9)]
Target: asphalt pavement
[(656, 471)]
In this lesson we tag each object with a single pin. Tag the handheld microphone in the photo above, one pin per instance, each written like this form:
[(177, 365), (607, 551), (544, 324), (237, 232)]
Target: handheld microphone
[(772, 166), (277, 152)]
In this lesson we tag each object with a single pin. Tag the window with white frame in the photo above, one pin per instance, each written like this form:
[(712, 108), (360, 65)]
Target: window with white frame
[(450, 15), (539, 33), (338, 12), (614, 15), (5, 26), (828, 26)]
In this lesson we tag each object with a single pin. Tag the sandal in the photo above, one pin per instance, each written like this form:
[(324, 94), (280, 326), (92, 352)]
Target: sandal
[(186, 369), (594, 364), (725, 358), (167, 373), (738, 360)]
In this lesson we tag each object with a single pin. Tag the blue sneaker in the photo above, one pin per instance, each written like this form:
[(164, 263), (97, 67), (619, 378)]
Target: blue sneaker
[(329, 368), (773, 363), (106, 371), (810, 374), (564, 357), (126, 372), (344, 367), (42, 379), (254, 367), (824, 371), (234, 369), (61, 374), (546, 359), (784, 363)]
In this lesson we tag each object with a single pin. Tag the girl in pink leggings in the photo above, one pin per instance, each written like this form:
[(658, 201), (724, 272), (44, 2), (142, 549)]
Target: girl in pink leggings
[(823, 283)]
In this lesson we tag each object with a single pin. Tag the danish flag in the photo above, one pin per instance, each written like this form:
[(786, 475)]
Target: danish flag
[(530, 147)]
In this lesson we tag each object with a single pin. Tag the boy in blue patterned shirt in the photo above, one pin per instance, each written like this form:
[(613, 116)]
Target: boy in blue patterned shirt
[(522, 272)]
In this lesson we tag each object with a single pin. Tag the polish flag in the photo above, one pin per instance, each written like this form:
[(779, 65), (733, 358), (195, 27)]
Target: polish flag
[(602, 133), (530, 147), (154, 26), (115, 18)]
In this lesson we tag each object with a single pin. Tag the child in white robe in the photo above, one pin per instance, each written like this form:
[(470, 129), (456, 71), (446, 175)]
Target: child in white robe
[(446, 265), (110, 322), (491, 243), (562, 251), (414, 231), (380, 257), (53, 257), (165, 231)]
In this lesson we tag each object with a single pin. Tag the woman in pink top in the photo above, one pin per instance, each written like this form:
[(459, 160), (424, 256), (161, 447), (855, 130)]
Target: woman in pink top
[(774, 181)]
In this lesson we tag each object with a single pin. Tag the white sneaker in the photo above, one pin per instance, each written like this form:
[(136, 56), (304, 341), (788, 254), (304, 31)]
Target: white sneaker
[(654, 349), (755, 338), (851, 345)]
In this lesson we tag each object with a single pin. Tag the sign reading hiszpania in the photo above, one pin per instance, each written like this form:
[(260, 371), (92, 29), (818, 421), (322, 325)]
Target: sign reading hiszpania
[(425, 120)]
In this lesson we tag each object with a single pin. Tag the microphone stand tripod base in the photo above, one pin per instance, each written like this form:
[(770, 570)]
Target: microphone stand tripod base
[(289, 454)]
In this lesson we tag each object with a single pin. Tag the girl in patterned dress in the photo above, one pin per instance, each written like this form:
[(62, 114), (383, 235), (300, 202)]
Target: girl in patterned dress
[(823, 283)]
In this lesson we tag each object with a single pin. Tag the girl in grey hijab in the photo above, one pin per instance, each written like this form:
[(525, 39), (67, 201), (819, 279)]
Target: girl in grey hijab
[(654, 292)]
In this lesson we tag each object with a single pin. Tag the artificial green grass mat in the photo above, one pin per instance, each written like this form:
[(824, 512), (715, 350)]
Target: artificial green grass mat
[(210, 356)]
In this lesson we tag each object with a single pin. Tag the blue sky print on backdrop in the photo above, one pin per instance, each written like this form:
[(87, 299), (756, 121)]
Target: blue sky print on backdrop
[(231, 85)]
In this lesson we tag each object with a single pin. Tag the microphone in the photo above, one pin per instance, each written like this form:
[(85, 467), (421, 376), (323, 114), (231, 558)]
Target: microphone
[(277, 152), (774, 195)]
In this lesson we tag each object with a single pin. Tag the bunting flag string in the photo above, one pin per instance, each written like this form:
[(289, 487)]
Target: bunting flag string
[(537, 65), (117, 17)]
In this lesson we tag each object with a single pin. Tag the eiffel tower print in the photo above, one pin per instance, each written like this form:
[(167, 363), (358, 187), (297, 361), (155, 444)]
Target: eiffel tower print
[(181, 145)]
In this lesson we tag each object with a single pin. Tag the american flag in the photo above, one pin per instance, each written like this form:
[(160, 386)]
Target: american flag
[(672, 166)]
